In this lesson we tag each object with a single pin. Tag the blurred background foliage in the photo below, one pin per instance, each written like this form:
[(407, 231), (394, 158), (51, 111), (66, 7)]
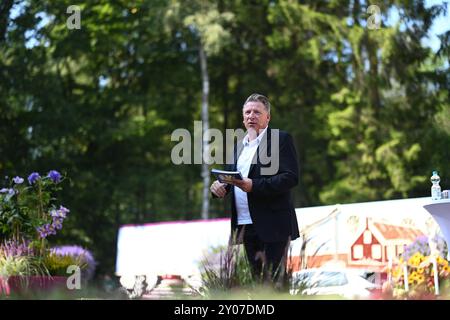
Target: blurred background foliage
[(368, 109)]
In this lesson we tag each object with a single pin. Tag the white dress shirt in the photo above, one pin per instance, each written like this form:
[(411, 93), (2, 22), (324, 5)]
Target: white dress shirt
[(243, 165)]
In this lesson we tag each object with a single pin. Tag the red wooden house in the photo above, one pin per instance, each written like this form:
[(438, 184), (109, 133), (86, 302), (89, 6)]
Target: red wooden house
[(372, 248), (380, 242)]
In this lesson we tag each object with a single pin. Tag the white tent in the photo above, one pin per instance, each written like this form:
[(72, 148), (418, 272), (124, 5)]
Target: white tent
[(168, 248)]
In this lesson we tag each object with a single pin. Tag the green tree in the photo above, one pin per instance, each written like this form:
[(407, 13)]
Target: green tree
[(205, 25), (368, 109)]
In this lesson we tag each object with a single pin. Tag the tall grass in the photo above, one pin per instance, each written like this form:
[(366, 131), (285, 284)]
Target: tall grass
[(232, 270), (21, 266), (227, 270)]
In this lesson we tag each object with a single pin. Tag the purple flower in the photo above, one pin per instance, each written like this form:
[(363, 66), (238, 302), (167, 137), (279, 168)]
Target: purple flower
[(60, 213), (32, 178), (9, 191), (57, 223), (46, 230), (51, 229), (55, 214), (18, 180), (16, 248), (55, 176), (421, 245), (80, 254), (64, 211), (42, 232), (4, 190)]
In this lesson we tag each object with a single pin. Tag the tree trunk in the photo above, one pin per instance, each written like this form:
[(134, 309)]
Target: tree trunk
[(205, 140), (5, 8)]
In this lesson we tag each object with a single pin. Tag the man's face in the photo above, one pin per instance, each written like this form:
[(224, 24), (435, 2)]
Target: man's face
[(255, 116)]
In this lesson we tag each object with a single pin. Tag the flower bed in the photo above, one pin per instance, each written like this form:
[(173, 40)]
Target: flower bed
[(419, 271), (31, 284), (29, 216)]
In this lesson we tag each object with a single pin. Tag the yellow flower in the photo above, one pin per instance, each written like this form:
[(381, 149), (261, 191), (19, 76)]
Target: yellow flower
[(420, 279), (413, 275), (420, 275), (416, 259), (412, 261), (442, 261)]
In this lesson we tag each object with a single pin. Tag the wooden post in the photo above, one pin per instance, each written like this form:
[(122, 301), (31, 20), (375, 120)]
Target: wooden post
[(405, 276), (436, 276)]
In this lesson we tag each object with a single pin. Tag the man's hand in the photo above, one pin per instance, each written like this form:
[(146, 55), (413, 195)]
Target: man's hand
[(245, 184), (218, 189)]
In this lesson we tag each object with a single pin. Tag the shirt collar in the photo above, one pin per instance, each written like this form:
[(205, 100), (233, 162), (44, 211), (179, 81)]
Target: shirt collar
[(258, 139)]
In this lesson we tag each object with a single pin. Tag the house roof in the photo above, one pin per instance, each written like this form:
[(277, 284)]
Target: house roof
[(395, 232)]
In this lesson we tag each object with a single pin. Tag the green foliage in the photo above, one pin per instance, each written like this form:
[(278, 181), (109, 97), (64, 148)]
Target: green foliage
[(29, 211), (11, 265), (57, 264), (21, 266), (229, 270)]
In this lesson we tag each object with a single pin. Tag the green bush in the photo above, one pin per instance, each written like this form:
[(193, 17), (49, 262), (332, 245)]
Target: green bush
[(21, 266), (57, 264)]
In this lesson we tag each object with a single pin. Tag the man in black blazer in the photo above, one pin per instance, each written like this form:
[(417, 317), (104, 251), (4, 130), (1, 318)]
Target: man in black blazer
[(263, 215)]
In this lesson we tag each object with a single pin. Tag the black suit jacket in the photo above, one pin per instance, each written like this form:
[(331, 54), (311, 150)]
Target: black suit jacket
[(270, 203)]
